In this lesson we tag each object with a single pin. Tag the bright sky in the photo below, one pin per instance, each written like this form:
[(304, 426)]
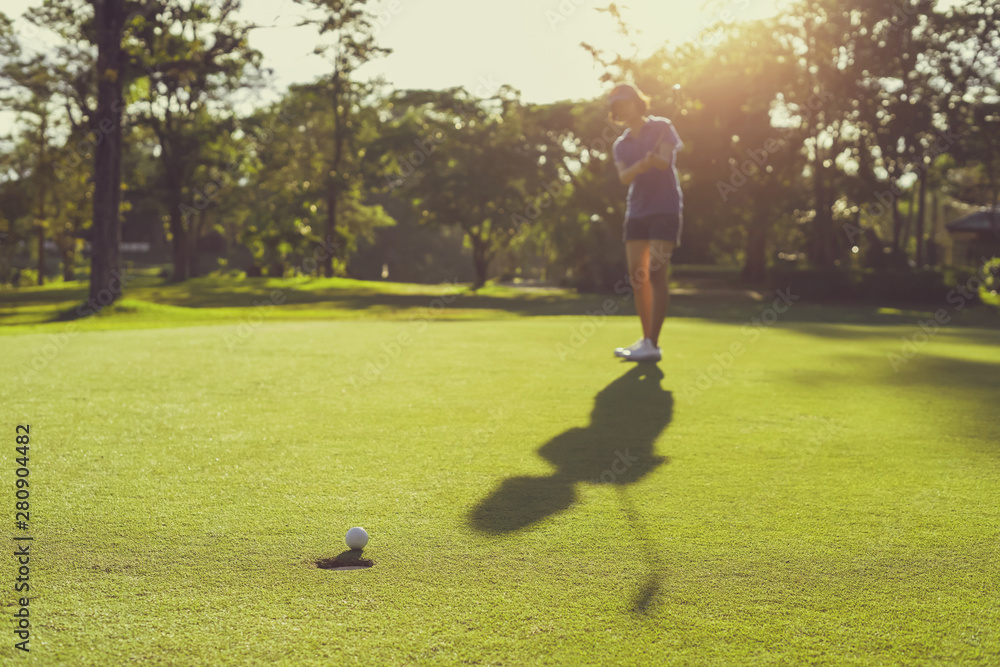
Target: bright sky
[(533, 45)]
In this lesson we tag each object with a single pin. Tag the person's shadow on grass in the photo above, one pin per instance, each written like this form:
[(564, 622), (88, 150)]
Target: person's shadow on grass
[(615, 448)]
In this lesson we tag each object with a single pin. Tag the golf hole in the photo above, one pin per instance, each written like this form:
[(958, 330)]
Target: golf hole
[(345, 561)]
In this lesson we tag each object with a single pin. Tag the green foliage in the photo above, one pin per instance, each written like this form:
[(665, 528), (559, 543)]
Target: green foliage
[(990, 274), (479, 164), (281, 209), (26, 278), (795, 127)]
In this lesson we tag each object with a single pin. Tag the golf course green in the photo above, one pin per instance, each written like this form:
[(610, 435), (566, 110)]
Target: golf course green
[(813, 489)]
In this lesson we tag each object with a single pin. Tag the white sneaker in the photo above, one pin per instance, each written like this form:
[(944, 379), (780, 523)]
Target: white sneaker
[(645, 352), (625, 351)]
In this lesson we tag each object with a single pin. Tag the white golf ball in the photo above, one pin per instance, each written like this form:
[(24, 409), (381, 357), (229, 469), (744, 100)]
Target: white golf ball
[(356, 538)]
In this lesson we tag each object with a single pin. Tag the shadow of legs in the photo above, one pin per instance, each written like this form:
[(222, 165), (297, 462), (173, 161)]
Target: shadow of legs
[(645, 597), (628, 416)]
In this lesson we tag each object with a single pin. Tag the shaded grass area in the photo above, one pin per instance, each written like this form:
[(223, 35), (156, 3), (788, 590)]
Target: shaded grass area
[(808, 504), (227, 298), (150, 302)]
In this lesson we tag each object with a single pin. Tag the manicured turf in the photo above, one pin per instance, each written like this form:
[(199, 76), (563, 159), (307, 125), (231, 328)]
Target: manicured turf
[(805, 503)]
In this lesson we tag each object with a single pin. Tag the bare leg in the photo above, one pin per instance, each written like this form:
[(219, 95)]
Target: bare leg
[(637, 254), (659, 282)]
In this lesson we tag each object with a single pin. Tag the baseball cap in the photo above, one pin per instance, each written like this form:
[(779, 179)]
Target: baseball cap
[(624, 91)]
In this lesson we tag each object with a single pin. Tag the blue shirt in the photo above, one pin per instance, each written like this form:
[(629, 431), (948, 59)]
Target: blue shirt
[(657, 190)]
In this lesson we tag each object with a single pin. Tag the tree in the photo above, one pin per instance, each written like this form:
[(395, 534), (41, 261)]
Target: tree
[(281, 213), (581, 207), (106, 122), (970, 52), (475, 167), (191, 57), (351, 29), (764, 158), (30, 98)]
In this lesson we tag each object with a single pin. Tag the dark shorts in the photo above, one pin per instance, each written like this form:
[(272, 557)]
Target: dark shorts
[(663, 226)]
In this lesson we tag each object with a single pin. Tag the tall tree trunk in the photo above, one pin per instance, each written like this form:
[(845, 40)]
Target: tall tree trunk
[(908, 224), (921, 213), (178, 223), (179, 245), (756, 260), (105, 279), (340, 110), (42, 175), (331, 225), (65, 242), (68, 257), (932, 247), (194, 233), (897, 226), (41, 252), (822, 241), (995, 214), (991, 176), (480, 259)]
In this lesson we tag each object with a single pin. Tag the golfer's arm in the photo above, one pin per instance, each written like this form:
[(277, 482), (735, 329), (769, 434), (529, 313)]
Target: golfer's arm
[(628, 174), (663, 156)]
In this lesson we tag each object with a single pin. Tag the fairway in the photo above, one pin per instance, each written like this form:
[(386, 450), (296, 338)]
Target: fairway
[(804, 502), (336, 332)]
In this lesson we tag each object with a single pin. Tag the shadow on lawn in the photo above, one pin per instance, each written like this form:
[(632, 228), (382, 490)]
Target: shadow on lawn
[(615, 448), (969, 388), (352, 559), (58, 302)]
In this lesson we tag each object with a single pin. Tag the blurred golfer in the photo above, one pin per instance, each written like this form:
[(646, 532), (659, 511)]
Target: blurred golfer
[(644, 155)]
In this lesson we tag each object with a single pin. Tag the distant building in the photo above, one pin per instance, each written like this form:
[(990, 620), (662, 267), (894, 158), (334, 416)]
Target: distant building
[(974, 237)]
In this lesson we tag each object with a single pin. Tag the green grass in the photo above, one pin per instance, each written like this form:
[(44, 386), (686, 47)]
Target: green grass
[(152, 302), (808, 503)]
